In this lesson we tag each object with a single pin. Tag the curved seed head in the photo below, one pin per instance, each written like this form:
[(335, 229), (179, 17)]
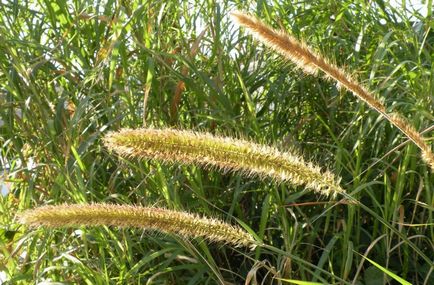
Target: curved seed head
[(311, 62), (224, 153), (149, 218)]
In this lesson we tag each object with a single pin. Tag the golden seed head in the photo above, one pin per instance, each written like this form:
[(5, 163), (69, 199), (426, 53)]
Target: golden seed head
[(224, 153), (149, 218), (310, 62)]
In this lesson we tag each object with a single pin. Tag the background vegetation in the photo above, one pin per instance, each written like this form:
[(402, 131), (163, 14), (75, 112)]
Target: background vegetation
[(72, 70)]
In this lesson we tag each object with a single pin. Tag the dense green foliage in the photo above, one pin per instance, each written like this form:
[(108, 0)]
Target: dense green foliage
[(70, 71)]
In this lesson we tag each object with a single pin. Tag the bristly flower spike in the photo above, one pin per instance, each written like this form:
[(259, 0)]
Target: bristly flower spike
[(310, 62), (148, 218), (224, 153)]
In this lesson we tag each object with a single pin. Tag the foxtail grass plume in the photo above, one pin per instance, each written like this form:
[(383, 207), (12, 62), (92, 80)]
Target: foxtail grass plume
[(224, 153), (149, 218), (311, 62)]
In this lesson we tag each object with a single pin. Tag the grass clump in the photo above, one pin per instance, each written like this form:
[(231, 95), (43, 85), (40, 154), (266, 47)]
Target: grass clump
[(72, 75)]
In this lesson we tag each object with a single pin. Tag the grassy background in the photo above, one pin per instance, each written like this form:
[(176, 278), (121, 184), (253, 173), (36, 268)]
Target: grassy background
[(72, 70)]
